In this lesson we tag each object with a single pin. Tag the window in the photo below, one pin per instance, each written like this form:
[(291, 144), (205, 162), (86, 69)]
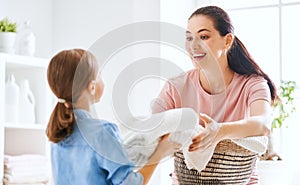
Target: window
[(290, 43), (258, 30), (243, 4)]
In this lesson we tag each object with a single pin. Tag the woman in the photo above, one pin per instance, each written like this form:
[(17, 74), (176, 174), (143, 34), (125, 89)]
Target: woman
[(86, 150), (231, 92)]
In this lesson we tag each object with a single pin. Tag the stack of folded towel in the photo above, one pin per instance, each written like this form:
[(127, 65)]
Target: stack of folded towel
[(142, 135), (27, 169)]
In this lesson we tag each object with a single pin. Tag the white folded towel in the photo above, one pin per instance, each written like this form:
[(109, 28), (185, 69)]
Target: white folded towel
[(256, 144), (29, 173), (142, 135), (26, 179), (25, 158), (40, 183)]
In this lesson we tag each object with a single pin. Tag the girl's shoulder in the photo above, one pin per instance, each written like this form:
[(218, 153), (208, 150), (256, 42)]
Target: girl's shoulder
[(85, 122), (99, 132), (98, 126), (110, 128)]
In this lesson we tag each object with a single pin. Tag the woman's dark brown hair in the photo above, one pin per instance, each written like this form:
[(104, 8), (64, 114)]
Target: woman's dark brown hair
[(239, 59), (69, 73)]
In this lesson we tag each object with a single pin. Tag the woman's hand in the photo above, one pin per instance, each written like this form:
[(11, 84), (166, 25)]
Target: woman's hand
[(209, 136)]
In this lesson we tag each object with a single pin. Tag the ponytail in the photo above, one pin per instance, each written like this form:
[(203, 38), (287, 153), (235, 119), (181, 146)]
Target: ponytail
[(240, 61), (61, 122)]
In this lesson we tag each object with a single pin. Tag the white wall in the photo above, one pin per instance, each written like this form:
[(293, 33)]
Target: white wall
[(40, 15), (80, 23), (170, 14)]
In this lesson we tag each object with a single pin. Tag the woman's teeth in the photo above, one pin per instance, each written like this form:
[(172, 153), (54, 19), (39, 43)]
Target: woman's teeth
[(198, 55)]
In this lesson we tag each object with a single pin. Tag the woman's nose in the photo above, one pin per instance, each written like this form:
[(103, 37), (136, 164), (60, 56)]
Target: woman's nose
[(195, 44)]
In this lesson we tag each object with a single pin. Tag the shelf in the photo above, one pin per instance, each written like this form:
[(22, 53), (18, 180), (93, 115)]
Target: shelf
[(25, 126), (25, 141), (16, 61), (19, 138)]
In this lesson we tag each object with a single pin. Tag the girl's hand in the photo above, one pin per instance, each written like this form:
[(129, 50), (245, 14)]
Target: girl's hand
[(208, 137), (163, 149), (166, 147)]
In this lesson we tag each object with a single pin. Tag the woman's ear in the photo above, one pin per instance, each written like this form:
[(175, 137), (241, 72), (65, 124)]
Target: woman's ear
[(92, 87), (229, 40)]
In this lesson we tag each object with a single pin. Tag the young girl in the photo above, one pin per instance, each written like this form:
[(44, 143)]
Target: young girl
[(85, 150)]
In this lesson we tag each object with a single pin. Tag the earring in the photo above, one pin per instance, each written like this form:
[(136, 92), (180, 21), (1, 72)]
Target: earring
[(93, 91)]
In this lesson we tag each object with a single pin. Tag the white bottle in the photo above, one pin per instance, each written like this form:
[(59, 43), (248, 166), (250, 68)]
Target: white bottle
[(26, 104), (11, 101), (25, 42)]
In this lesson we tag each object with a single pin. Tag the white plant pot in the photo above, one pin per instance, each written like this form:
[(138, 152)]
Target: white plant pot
[(7, 42)]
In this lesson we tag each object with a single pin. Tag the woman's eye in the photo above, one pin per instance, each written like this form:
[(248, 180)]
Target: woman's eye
[(203, 37), (188, 38)]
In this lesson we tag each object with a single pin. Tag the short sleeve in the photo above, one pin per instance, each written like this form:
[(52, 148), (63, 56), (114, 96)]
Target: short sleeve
[(165, 99), (259, 90)]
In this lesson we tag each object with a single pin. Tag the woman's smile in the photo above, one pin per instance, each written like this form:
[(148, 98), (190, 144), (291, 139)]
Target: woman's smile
[(198, 56)]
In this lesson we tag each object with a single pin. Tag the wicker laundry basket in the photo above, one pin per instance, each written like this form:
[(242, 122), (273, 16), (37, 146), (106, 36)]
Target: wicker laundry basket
[(230, 164)]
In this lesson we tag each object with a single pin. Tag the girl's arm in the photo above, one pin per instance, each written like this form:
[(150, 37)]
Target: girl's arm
[(164, 148)]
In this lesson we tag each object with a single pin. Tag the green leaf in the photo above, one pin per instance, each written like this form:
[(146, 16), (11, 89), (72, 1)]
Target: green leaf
[(7, 26), (284, 106)]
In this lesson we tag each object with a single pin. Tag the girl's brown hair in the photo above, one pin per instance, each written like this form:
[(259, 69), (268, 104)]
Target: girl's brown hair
[(69, 73)]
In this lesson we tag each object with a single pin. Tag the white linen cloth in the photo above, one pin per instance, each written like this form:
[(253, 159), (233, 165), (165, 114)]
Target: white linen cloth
[(26, 169), (142, 135)]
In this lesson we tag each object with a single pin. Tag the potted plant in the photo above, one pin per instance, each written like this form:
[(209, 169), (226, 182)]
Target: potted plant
[(282, 109), (8, 31), (272, 169)]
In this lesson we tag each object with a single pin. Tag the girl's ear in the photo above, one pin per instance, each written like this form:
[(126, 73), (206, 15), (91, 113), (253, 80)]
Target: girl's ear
[(92, 87), (229, 40)]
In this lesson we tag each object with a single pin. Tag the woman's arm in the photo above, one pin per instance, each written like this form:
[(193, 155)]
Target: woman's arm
[(258, 124)]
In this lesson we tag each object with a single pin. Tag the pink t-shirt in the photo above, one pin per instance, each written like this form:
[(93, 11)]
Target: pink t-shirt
[(233, 104)]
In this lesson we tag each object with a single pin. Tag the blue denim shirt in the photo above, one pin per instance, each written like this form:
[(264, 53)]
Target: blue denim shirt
[(92, 154)]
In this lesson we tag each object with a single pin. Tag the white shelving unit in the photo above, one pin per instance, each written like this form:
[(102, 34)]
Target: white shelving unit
[(24, 138)]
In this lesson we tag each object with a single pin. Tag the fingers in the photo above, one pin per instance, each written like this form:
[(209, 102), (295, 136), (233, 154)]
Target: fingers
[(205, 118), (194, 146), (176, 146), (164, 137), (200, 142), (199, 146), (200, 137)]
